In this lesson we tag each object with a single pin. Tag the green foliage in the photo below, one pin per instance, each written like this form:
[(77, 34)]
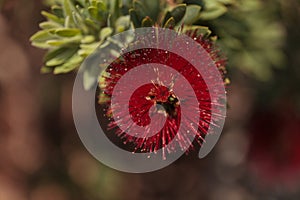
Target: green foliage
[(247, 29), (215, 8), (252, 37), (144, 11), (74, 28)]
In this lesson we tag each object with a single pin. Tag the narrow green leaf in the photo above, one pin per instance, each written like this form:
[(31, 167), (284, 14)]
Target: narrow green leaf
[(134, 18), (93, 11), (58, 11), (59, 56), (227, 2), (139, 9), (52, 17), (68, 7), (70, 65), (87, 49), (81, 2), (201, 30), (80, 22), (105, 33), (94, 3), (170, 23), (192, 14), (122, 23), (68, 32), (54, 52), (167, 17), (49, 25), (91, 23), (42, 36), (114, 10), (88, 39), (213, 11), (147, 22), (196, 2), (152, 8), (178, 12), (101, 6), (41, 45), (65, 41), (67, 22)]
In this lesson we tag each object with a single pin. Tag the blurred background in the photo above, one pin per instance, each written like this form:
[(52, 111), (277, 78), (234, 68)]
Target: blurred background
[(257, 156)]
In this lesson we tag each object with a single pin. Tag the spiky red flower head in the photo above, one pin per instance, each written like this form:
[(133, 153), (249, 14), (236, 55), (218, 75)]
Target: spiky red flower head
[(159, 97)]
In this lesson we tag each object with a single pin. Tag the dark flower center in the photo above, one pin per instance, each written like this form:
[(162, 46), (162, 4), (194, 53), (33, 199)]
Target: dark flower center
[(170, 105)]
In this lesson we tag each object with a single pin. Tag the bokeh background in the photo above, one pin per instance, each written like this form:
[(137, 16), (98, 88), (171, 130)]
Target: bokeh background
[(257, 156)]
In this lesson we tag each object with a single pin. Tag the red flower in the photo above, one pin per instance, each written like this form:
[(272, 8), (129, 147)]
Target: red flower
[(162, 97)]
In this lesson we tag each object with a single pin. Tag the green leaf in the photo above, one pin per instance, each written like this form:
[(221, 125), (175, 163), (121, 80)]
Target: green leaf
[(58, 11), (170, 23), (81, 2), (105, 33), (68, 7), (101, 6), (59, 56), (167, 17), (114, 10), (192, 14), (227, 2), (93, 11), (201, 30), (80, 22), (134, 18), (52, 17), (64, 41), (152, 8), (147, 22), (54, 52), (42, 36), (88, 39), (69, 65), (67, 22), (87, 49), (196, 2), (49, 25), (122, 23), (178, 12), (67, 32), (139, 9), (41, 45), (213, 10), (91, 24)]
